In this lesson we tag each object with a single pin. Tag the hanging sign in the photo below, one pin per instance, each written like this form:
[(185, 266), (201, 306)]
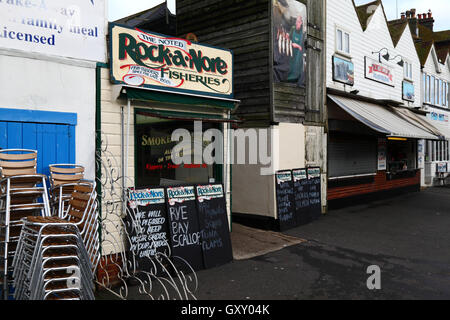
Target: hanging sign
[(144, 59), (379, 72)]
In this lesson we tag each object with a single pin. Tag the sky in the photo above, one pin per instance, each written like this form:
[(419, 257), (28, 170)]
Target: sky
[(440, 9)]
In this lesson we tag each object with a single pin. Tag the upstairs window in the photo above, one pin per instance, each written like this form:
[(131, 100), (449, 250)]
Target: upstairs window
[(342, 41), (407, 70)]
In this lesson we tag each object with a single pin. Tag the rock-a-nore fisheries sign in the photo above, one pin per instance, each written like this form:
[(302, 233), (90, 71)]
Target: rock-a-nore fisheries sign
[(144, 59)]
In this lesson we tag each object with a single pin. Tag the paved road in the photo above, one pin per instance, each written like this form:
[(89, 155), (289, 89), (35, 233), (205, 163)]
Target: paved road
[(408, 237)]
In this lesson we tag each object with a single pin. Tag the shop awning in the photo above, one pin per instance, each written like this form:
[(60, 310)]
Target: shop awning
[(159, 96), (382, 119), (439, 128)]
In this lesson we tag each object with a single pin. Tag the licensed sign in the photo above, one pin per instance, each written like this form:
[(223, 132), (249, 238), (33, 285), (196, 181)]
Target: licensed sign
[(379, 72), (145, 59), (66, 28)]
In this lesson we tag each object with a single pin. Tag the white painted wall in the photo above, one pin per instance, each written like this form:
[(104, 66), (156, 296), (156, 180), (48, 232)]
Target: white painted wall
[(341, 13), (35, 82)]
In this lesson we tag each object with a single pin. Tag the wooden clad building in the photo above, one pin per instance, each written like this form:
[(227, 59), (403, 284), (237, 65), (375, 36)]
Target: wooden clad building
[(293, 110)]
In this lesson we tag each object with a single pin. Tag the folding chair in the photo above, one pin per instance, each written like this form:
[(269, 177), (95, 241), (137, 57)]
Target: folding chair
[(22, 193), (63, 178)]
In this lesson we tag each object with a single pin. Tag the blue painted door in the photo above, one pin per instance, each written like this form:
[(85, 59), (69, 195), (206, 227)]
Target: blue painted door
[(55, 143)]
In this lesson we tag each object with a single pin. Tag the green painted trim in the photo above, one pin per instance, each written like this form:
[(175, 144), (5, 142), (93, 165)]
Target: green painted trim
[(150, 95), (98, 140)]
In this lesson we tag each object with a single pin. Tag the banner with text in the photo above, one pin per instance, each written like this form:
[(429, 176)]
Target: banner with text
[(66, 28)]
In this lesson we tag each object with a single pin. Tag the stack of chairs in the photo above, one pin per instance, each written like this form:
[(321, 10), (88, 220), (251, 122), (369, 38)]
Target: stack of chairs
[(23, 193), (63, 178), (56, 258)]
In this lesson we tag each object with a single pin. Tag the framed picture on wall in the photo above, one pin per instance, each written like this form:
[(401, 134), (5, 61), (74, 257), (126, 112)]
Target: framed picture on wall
[(343, 71), (408, 91)]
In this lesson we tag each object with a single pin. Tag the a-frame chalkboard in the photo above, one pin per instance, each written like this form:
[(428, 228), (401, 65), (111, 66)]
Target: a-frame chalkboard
[(285, 200), (314, 192), (147, 227), (215, 232), (185, 238), (301, 196)]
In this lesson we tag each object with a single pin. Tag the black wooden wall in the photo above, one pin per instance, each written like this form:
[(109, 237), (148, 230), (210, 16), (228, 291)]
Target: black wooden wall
[(244, 26)]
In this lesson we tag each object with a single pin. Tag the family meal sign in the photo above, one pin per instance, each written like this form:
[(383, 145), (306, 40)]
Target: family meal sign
[(143, 59), (64, 28)]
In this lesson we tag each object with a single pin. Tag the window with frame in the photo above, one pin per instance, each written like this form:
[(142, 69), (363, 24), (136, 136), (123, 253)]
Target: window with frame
[(407, 70), (342, 41)]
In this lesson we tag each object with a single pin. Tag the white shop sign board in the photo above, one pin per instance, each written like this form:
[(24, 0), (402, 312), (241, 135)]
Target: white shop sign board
[(65, 28)]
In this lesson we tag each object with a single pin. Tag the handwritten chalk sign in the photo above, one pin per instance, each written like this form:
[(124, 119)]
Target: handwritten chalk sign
[(285, 200), (185, 238), (147, 227), (215, 232), (301, 196), (315, 207)]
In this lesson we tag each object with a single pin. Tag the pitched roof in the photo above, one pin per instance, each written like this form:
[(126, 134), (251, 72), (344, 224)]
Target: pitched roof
[(396, 30), (363, 13), (423, 49)]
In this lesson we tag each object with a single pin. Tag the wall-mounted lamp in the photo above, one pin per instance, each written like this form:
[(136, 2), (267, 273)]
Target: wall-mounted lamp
[(385, 56), (354, 91), (401, 62)]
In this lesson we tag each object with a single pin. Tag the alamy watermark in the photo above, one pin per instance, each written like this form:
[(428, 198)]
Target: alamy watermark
[(254, 146)]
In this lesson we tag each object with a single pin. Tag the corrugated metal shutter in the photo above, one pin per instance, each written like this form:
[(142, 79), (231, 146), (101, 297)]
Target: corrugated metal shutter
[(352, 156)]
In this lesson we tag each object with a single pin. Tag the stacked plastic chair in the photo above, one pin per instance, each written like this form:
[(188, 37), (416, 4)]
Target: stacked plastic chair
[(63, 178), (22, 193), (56, 258)]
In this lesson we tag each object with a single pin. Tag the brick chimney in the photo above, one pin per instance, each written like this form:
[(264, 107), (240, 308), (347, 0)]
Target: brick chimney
[(427, 20)]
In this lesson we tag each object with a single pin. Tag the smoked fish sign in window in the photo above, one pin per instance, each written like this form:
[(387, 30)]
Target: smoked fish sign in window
[(144, 59)]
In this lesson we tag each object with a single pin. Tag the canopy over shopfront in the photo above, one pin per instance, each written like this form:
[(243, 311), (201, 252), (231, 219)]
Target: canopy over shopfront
[(385, 119)]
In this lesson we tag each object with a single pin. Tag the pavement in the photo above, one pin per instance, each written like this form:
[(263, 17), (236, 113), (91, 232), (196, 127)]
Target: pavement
[(407, 237)]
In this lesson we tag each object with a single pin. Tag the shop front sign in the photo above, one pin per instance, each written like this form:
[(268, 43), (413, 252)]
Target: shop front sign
[(65, 28), (149, 60), (379, 72)]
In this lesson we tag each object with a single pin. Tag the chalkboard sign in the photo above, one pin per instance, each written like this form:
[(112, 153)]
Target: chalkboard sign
[(215, 233), (285, 200), (301, 196), (184, 227), (314, 192), (147, 227)]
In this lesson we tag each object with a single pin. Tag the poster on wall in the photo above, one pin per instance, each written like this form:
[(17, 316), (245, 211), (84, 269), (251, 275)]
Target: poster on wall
[(289, 40), (65, 28), (379, 72), (408, 91), (149, 60), (343, 71), (381, 154)]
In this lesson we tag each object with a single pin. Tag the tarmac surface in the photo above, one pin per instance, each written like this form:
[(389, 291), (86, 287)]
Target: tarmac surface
[(408, 237)]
